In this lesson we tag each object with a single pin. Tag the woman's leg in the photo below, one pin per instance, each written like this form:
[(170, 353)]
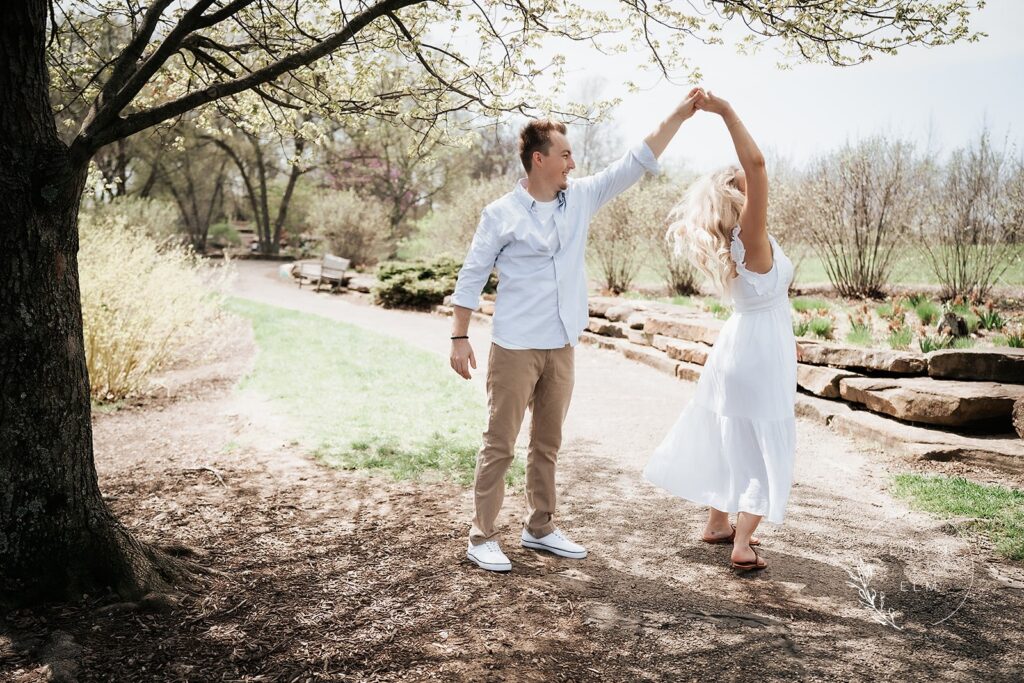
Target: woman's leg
[(718, 525), (745, 525)]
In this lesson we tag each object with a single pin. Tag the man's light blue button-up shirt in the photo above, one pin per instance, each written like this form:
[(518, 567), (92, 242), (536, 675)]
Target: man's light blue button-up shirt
[(542, 283)]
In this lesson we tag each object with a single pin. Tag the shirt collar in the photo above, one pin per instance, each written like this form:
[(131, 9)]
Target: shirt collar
[(527, 200)]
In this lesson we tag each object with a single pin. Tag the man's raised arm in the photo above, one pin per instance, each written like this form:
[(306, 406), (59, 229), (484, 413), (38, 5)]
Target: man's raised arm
[(622, 173)]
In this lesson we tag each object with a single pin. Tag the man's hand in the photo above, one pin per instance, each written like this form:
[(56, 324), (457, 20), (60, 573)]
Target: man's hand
[(462, 358), (715, 105)]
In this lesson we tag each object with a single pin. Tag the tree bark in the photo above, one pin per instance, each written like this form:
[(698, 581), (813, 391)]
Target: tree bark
[(57, 536)]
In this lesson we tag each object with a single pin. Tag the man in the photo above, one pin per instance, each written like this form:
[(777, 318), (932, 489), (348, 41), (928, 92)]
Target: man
[(536, 237)]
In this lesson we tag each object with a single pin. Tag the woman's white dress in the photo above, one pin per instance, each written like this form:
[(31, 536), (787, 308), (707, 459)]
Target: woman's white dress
[(732, 447)]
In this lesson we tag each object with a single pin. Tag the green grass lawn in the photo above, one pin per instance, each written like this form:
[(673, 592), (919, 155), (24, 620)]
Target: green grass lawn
[(998, 511), (367, 401)]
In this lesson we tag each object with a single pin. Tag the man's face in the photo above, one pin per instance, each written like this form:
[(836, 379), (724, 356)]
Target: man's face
[(553, 168)]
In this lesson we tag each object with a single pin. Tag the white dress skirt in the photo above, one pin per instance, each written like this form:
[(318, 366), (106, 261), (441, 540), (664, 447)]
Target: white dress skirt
[(732, 447)]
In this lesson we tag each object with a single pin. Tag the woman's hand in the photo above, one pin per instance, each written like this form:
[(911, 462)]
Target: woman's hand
[(715, 105), (691, 103)]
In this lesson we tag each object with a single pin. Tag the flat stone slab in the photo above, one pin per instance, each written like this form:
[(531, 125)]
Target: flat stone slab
[(994, 365), (599, 305), (607, 343), (856, 358), (682, 350), (605, 328), (911, 440), (690, 329), (933, 401), (622, 311), (689, 371), (637, 320), (651, 357), (821, 380)]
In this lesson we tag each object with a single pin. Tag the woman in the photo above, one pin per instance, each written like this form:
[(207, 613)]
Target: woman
[(732, 447)]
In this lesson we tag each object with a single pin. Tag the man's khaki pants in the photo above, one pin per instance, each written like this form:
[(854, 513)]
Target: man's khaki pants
[(515, 379)]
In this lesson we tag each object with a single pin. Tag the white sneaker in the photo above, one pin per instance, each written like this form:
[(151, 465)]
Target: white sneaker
[(556, 543), (488, 556)]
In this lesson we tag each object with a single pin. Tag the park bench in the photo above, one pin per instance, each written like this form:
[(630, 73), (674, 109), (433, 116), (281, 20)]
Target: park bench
[(331, 271)]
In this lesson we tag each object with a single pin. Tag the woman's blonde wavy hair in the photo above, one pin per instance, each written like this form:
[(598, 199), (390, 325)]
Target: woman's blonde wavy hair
[(702, 223)]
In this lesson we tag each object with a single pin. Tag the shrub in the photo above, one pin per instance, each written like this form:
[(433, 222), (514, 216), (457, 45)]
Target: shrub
[(860, 327), (350, 226), (629, 228), (223, 234), (140, 301), (156, 218), (968, 241), (448, 229), (863, 199), (419, 284), (989, 317)]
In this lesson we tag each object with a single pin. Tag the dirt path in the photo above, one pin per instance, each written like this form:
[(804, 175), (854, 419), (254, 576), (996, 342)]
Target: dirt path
[(333, 575)]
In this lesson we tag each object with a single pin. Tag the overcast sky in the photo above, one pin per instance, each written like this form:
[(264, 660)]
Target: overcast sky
[(950, 91)]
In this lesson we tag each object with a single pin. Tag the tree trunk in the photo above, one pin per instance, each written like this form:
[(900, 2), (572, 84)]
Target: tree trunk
[(57, 537)]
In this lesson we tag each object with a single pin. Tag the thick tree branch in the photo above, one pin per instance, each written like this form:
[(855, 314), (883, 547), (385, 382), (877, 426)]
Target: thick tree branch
[(133, 123)]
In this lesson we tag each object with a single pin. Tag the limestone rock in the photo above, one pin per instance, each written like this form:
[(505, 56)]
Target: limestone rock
[(487, 307), (912, 440), (952, 325), (599, 305), (1018, 418), (679, 349), (649, 356), (821, 380), (688, 371), (621, 312), (994, 365), (877, 360), (605, 328), (691, 329), (933, 401), (637, 320)]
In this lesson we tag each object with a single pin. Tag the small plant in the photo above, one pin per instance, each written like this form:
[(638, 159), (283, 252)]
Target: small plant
[(988, 317), (804, 305), (917, 299), (860, 327), (822, 327), (935, 343), (802, 324), (717, 309), (900, 338), (927, 312), (963, 343), (1014, 336)]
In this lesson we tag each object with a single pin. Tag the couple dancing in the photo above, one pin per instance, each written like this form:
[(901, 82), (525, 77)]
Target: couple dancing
[(732, 446)]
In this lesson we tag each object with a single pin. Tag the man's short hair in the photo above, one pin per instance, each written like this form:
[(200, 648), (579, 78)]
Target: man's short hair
[(536, 137)]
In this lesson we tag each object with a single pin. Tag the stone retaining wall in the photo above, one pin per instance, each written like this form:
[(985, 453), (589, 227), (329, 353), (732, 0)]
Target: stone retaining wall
[(941, 405)]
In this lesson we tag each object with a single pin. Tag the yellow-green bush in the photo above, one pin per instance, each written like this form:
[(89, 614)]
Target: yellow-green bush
[(141, 300)]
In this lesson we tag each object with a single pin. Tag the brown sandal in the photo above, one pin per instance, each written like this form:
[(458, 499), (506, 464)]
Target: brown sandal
[(758, 563), (726, 539)]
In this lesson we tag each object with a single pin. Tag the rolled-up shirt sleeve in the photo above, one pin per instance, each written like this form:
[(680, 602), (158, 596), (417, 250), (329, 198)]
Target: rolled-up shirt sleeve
[(619, 175), (479, 263)]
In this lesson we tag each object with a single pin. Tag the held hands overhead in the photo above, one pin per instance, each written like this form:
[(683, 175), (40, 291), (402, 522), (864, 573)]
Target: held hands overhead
[(705, 100)]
